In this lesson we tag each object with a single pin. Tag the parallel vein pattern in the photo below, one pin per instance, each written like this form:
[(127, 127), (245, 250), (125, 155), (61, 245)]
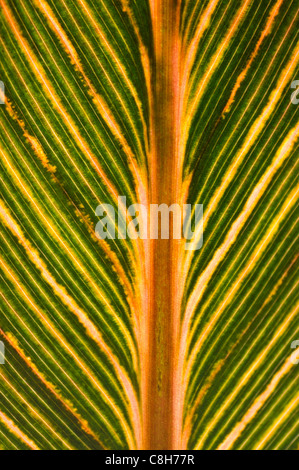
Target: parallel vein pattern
[(85, 120)]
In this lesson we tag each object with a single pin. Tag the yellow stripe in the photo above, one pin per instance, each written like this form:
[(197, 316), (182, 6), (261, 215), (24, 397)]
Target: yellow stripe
[(281, 118), (97, 99), (35, 413), (190, 108), (10, 339), (185, 334), (55, 232), (267, 30), (203, 24), (256, 255), (38, 150), (279, 332), (255, 131), (35, 144), (242, 335), (281, 155), (59, 290), (145, 59), (51, 328), (187, 428), (118, 63), (13, 428), (90, 328), (37, 68), (255, 407), (293, 405), (219, 365)]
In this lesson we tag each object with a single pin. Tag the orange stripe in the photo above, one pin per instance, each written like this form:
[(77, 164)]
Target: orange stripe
[(17, 432), (256, 406), (268, 28), (50, 90)]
